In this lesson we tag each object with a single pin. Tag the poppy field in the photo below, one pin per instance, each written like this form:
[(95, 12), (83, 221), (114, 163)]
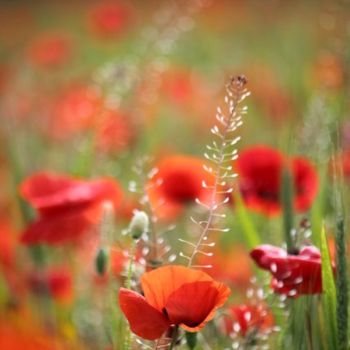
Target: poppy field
[(174, 175)]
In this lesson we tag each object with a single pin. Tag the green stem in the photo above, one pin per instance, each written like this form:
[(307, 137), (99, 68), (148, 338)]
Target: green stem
[(341, 285), (288, 212), (127, 341), (174, 338)]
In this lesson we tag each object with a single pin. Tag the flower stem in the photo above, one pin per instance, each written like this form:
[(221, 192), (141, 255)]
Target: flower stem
[(128, 286), (174, 338), (288, 214)]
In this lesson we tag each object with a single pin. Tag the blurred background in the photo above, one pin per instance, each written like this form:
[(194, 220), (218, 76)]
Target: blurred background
[(88, 88)]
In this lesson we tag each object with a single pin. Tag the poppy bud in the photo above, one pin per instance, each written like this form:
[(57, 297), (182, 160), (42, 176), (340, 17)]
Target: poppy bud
[(191, 340), (101, 261), (139, 224)]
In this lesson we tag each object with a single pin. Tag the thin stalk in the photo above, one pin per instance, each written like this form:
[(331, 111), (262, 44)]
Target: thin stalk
[(127, 341), (220, 161), (288, 212), (174, 338)]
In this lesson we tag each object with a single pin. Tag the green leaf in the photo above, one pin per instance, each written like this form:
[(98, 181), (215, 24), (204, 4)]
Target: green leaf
[(250, 234), (329, 298)]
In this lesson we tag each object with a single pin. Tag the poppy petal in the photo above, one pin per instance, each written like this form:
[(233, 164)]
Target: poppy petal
[(159, 284), (62, 228), (145, 321), (194, 304)]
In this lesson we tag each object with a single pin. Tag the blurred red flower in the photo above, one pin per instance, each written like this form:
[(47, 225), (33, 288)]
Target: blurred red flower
[(174, 295), (24, 333), (109, 19), (114, 133), (293, 275), (260, 170), (50, 50), (56, 281), (230, 265), (68, 207), (247, 318), (77, 109), (341, 166), (269, 94), (178, 182), (328, 72)]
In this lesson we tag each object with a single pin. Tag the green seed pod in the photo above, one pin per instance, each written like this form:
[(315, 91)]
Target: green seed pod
[(101, 261), (139, 224), (191, 340)]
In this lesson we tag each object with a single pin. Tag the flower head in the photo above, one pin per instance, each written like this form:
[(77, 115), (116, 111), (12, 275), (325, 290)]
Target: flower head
[(108, 19), (50, 50), (178, 182), (246, 318), (67, 207), (293, 275), (260, 169), (173, 295)]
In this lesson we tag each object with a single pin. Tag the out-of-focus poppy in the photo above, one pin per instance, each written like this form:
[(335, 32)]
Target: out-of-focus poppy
[(173, 295), (50, 50), (273, 99), (56, 281), (114, 132), (14, 336), (293, 275), (260, 170), (67, 207), (328, 72), (246, 318), (178, 181), (75, 110), (109, 19), (342, 165), (8, 242), (231, 265)]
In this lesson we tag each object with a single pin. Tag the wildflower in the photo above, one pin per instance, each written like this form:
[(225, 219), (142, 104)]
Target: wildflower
[(293, 275), (328, 72), (67, 207), (75, 110), (139, 224), (108, 19), (50, 50), (230, 265), (173, 295), (178, 182), (114, 133), (248, 319), (55, 281), (260, 168)]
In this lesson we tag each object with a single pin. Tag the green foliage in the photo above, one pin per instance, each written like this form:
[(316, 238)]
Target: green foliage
[(329, 295)]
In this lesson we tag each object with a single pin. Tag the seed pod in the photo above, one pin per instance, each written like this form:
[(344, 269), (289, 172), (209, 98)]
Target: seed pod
[(101, 261), (191, 340), (139, 224)]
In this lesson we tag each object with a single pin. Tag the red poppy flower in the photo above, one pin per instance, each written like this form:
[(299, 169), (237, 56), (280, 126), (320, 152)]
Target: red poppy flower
[(50, 50), (115, 133), (292, 274), (109, 18), (260, 170), (248, 318), (24, 333), (270, 95), (342, 165), (75, 110), (67, 207), (174, 295), (178, 182), (57, 281), (231, 265), (328, 72)]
